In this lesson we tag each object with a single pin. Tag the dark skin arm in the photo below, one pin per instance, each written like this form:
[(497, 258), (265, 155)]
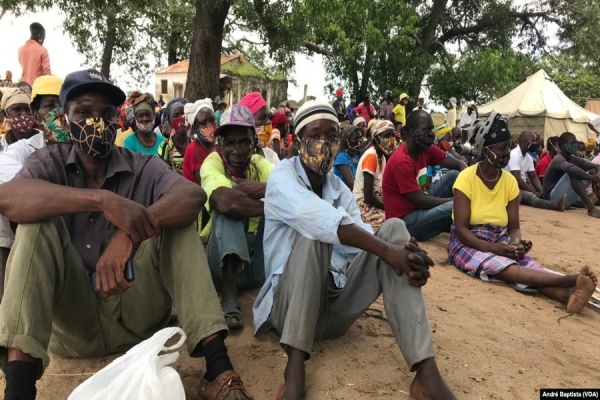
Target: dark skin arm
[(462, 218), (409, 259), (424, 202), (180, 205), (348, 178), (453, 163), (197, 177), (522, 184), (535, 181), (579, 174), (277, 147), (236, 204), (370, 197)]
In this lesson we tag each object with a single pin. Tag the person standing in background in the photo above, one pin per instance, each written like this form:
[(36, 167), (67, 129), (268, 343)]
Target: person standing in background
[(339, 106), (350, 109), (400, 109), (385, 110), (451, 115), (33, 56)]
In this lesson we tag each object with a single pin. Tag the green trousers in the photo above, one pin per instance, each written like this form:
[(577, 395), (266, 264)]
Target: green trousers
[(49, 300)]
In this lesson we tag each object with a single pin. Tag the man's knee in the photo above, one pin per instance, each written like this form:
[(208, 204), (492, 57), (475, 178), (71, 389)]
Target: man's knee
[(394, 231)]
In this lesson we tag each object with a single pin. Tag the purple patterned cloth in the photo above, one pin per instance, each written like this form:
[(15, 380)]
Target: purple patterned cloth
[(483, 264)]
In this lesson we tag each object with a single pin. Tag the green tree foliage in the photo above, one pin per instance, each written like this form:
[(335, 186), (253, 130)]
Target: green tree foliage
[(481, 76), (578, 79)]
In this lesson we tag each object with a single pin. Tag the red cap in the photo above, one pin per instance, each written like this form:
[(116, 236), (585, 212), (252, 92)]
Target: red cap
[(339, 92)]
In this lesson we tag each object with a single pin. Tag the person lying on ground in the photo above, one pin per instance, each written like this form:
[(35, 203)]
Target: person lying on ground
[(426, 215), (521, 167), (85, 211), (367, 184), (319, 281), (199, 118), (346, 161), (234, 179), (486, 237), (570, 175), (542, 166), (262, 123)]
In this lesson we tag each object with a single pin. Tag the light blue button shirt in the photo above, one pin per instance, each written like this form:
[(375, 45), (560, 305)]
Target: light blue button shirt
[(291, 207)]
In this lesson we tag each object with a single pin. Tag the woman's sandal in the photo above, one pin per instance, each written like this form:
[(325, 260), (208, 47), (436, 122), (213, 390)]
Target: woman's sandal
[(233, 314)]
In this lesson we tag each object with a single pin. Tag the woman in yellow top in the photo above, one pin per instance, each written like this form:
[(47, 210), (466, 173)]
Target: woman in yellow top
[(485, 239)]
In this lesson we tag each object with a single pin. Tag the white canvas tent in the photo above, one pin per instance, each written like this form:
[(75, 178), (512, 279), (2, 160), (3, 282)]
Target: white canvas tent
[(539, 105)]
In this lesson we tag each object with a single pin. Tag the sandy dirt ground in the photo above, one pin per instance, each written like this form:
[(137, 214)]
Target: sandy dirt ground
[(491, 342)]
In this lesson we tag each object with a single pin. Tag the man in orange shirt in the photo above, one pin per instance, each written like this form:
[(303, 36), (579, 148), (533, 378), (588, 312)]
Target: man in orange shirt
[(33, 56)]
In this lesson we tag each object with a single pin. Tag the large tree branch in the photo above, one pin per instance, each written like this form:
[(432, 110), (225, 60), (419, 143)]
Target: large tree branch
[(434, 18), (314, 48), (483, 25)]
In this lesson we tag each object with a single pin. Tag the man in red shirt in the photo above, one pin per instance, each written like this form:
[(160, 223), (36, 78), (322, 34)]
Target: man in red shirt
[(33, 56), (425, 214), (544, 163)]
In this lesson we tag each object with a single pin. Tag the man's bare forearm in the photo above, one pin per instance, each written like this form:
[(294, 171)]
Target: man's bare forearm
[(180, 206), (26, 201)]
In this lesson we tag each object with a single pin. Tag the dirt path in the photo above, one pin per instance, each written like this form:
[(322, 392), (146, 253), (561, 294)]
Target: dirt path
[(491, 342)]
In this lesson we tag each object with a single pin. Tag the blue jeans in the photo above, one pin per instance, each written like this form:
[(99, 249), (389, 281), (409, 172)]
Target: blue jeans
[(426, 224), (564, 186), (230, 236)]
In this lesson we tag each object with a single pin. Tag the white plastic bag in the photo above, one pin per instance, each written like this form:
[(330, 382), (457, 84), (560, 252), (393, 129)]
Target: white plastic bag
[(139, 374)]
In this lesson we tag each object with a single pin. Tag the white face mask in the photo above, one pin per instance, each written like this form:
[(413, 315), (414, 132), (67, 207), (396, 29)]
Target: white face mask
[(144, 128)]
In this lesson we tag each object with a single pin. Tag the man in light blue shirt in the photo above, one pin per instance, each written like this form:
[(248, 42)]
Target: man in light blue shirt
[(318, 279)]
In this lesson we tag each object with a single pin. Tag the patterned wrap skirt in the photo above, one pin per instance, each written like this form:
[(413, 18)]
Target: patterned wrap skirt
[(483, 264), (371, 215)]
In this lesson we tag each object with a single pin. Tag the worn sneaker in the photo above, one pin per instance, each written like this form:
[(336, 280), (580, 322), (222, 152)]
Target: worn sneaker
[(227, 386)]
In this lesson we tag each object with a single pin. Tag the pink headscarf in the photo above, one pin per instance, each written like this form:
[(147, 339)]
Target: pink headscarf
[(254, 101)]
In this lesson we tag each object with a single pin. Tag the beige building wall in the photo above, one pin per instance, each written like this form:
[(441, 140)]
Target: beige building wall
[(175, 85)]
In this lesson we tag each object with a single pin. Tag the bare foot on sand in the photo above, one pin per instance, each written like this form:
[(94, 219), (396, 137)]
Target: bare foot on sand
[(562, 203), (429, 384), (594, 213), (583, 290)]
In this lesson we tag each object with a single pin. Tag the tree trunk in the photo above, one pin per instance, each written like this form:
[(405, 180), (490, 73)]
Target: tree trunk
[(172, 53), (205, 56), (109, 44), (366, 75)]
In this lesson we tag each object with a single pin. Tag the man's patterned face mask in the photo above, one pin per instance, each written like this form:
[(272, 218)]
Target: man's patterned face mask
[(94, 136), (318, 155)]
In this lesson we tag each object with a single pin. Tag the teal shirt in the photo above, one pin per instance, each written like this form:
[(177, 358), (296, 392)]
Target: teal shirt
[(132, 143)]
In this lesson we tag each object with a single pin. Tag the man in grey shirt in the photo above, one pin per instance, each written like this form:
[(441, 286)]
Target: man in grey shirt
[(570, 175), (86, 210)]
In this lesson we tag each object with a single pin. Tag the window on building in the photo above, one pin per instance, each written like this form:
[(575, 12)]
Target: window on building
[(164, 85)]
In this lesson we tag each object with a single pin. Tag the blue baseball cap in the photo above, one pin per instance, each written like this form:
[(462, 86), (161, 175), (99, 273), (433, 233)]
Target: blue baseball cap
[(89, 80)]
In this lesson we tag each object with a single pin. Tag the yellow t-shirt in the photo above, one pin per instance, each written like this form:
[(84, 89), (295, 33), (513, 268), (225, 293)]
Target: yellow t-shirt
[(122, 135), (400, 114), (487, 206), (213, 176)]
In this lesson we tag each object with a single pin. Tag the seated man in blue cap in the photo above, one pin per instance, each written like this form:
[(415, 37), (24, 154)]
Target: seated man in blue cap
[(235, 181), (90, 214)]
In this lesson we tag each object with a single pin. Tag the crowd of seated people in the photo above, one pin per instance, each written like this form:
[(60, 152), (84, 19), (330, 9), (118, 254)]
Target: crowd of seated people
[(321, 218)]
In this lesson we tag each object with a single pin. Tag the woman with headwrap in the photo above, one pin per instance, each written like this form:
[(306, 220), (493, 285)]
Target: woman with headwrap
[(367, 183), (200, 118), (125, 119), (19, 122), (590, 146), (172, 150), (262, 124), (485, 239), (144, 139), (348, 156), (173, 110)]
